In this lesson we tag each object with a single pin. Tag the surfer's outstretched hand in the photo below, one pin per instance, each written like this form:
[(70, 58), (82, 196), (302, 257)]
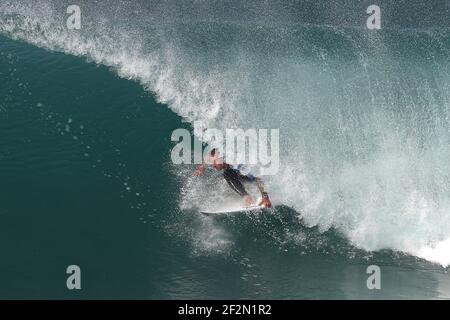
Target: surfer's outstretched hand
[(199, 171)]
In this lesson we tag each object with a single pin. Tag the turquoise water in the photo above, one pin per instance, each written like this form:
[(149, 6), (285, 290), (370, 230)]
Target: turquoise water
[(86, 176)]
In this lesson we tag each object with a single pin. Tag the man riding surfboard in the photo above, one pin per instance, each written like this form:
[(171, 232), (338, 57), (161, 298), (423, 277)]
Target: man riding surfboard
[(235, 178)]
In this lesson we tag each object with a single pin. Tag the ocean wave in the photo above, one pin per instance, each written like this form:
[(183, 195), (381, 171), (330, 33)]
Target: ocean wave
[(364, 117)]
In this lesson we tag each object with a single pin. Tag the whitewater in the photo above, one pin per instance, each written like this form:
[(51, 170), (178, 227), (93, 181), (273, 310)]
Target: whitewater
[(364, 116)]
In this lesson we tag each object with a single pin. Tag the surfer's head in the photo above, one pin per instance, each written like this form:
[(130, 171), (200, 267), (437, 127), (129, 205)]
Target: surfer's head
[(215, 159)]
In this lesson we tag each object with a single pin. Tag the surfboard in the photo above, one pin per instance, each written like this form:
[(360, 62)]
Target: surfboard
[(232, 211)]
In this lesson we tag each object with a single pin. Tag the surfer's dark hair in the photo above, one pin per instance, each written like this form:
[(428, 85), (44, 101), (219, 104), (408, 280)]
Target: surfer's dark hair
[(213, 152)]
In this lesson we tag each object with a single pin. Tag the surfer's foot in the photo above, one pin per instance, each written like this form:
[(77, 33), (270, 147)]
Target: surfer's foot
[(248, 200), (265, 202)]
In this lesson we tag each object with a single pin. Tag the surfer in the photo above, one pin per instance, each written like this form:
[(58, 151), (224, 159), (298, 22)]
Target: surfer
[(234, 178)]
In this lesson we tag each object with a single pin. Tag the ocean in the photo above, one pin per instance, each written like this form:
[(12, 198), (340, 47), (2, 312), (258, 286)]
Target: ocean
[(86, 177)]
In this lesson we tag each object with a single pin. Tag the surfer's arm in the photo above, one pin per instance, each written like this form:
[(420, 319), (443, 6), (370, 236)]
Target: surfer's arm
[(201, 168)]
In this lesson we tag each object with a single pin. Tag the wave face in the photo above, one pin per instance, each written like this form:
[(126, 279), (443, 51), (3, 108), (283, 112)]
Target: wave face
[(364, 116)]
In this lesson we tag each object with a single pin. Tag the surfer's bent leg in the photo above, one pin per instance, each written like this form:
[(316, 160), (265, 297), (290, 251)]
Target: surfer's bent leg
[(252, 179), (233, 179)]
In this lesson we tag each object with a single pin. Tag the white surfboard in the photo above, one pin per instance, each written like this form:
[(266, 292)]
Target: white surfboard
[(230, 211)]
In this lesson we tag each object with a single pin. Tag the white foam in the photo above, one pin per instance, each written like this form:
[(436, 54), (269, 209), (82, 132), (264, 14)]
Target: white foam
[(438, 253)]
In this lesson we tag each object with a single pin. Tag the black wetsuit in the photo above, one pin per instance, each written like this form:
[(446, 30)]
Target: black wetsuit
[(235, 178)]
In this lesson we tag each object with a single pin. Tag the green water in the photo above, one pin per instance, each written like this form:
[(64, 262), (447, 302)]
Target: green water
[(74, 137), (63, 201)]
